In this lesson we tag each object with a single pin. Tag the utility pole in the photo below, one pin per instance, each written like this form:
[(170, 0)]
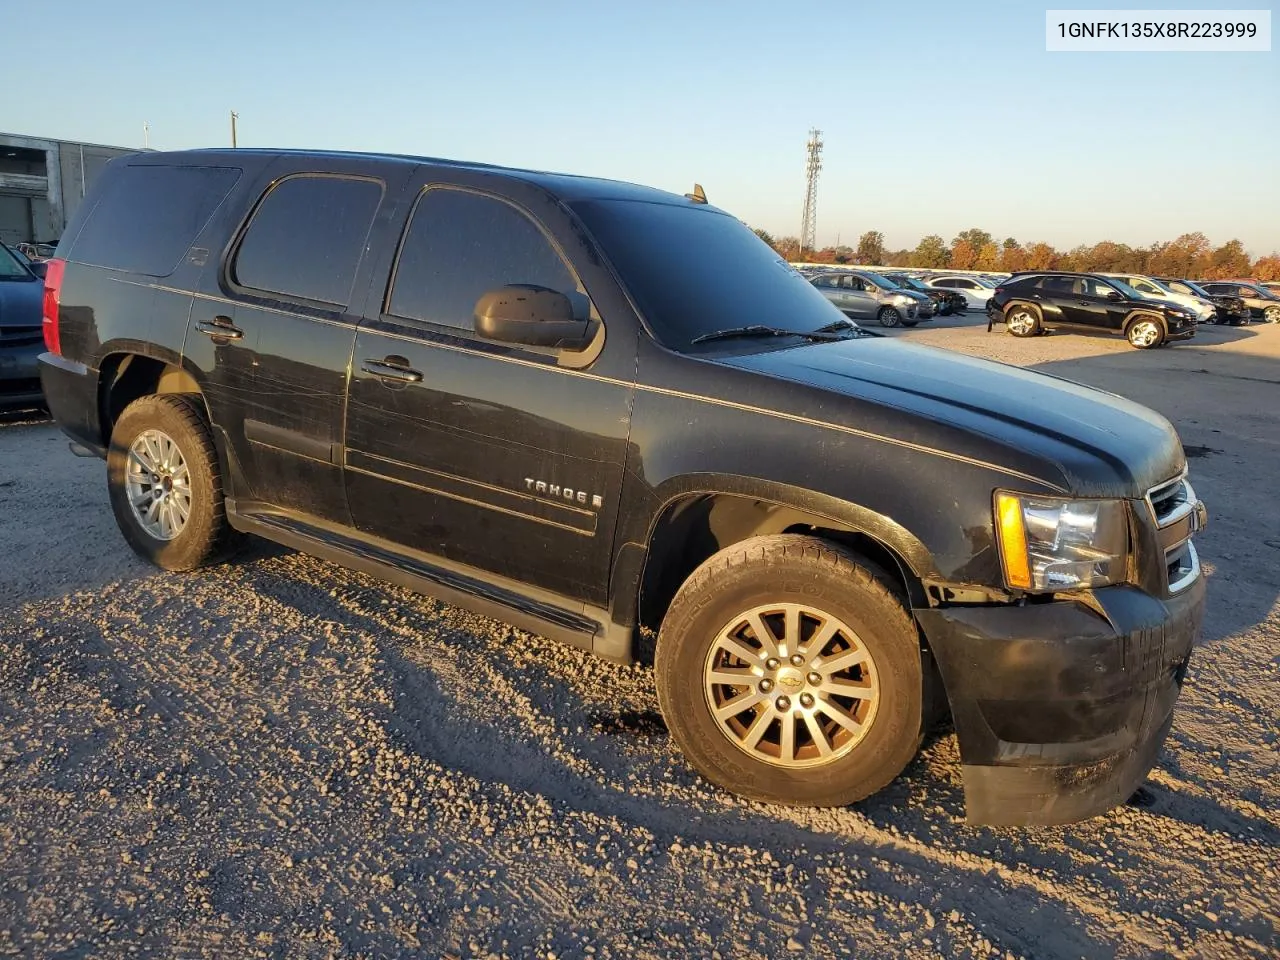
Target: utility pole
[(809, 221), (234, 117)]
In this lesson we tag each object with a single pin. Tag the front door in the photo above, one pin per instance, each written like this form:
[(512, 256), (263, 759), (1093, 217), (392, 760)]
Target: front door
[(501, 457)]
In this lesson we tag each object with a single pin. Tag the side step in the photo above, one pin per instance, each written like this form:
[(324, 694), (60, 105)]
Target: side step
[(434, 578)]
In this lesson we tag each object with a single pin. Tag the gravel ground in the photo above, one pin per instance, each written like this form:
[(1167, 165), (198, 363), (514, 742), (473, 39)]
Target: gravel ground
[(282, 758)]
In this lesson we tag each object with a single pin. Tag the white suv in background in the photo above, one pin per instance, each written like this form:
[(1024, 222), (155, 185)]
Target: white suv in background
[(1156, 290), (976, 290)]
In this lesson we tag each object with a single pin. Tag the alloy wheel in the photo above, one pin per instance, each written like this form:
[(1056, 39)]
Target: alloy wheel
[(1021, 322), (791, 685), (1144, 333), (158, 485)]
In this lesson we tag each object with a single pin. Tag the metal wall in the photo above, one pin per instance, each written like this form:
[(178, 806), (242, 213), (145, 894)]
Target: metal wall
[(42, 182)]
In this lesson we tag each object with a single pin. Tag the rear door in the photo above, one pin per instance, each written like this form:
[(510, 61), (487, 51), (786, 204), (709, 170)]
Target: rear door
[(855, 297), (1088, 305), (502, 457), (276, 330)]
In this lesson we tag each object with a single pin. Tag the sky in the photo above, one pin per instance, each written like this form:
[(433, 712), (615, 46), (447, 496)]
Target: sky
[(936, 116)]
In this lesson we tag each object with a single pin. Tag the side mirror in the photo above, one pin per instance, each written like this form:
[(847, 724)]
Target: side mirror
[(40, 268), (1114, 295), (531, 315)]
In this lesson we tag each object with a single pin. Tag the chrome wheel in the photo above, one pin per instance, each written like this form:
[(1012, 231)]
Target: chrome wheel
[(791, 685), (158, 485), (1021, 322), (1271, 314), (888, 317), (1144, 333)]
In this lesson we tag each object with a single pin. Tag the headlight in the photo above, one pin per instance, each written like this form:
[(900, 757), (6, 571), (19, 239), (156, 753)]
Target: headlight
[(902, 301), (1049, 544)]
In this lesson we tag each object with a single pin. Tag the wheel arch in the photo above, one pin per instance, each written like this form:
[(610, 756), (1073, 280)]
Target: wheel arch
[(129, 371), (1140, 314), (694, 523)]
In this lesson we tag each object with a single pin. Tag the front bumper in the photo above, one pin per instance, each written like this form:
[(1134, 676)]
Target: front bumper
[(1060, 711), (1185, 332), (20, 375)]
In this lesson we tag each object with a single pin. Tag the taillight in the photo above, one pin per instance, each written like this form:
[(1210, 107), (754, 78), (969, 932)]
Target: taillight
[(52, 288)]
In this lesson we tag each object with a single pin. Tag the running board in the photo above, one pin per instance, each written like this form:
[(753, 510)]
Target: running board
[(434, 578)]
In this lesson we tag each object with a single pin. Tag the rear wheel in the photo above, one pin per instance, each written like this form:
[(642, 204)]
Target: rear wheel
[(165, 484), (788, 671), (1145, 333), (1022, 320), (889, 317)]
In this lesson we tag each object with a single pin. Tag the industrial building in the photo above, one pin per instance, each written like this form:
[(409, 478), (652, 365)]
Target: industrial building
[(42, 182)]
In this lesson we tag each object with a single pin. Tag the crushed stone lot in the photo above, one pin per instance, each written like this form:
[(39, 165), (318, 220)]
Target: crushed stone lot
[(281, 758)]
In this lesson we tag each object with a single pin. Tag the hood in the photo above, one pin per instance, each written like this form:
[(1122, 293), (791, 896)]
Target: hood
[(1084, 441), (21, 303)]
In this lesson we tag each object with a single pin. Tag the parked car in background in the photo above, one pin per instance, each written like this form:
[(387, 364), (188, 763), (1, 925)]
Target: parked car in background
[(868, 296), (1227, 309), (975, 290), (945, 302), (21, 341), (36, 252), (1263, 304), (1030, 303), (1157, 290), (1272, 285)]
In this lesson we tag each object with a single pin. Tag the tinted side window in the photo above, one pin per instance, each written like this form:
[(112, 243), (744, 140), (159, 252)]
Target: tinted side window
[(307, 236), (460, 245), (148, 216)]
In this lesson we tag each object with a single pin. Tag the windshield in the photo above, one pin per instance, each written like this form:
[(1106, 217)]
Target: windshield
[(988, 282), (10, 268), (882, 282), (669, 257), (1127, 290), (911, 283)]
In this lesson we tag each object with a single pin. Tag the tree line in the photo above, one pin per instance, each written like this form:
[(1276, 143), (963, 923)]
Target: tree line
[(1190, 255)]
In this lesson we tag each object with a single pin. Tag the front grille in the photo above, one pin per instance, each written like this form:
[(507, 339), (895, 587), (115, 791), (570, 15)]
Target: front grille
[(20, 336), (1178, 515)]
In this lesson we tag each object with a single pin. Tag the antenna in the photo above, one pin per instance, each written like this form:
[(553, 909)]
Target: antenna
[(809, 220), (234, 117), (698, 195)]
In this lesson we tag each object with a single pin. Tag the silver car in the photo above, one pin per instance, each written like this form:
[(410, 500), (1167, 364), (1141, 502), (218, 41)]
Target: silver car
[(868, 296)]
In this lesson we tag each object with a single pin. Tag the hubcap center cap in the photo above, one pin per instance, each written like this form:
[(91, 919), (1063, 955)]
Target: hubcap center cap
[(790, 678)]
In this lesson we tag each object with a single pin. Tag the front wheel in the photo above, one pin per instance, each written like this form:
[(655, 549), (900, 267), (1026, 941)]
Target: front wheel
[(789, 671), (1271, 314), (1145, 333), (889, 317), (165, 484)]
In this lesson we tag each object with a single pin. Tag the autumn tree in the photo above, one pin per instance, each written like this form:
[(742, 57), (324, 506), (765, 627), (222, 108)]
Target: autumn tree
[(788, 248), (1041, 256), (974, 237), (870, 248), (764, 235), (1012, 257), (963, 255), (897, 258), (1267, 268), (1188, 256), (988, 257), (930, 252), (1229, 260)]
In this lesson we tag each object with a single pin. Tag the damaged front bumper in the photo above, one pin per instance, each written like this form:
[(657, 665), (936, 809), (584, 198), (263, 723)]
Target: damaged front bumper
[(1061, 708)]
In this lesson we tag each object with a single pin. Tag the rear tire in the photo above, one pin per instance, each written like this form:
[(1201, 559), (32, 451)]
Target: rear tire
[(165, 483), (1022, 320), (859, 690)]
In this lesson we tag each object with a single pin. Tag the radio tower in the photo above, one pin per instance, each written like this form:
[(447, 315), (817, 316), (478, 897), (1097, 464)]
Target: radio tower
[(809, 222)]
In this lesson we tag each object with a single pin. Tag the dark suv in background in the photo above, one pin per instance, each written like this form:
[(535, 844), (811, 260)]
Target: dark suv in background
[(518, 391), (946, 302), (21, 293), (1263, 304), (1030, 303)]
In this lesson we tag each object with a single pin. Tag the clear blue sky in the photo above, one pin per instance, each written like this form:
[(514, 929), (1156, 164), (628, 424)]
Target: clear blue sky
[(1066, 148)]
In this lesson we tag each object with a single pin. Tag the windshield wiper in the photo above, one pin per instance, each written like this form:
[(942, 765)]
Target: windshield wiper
[(846, 324), (760, 330)]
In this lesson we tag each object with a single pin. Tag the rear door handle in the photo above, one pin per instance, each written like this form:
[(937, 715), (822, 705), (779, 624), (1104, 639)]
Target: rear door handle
[(220, 328), (392, 368)]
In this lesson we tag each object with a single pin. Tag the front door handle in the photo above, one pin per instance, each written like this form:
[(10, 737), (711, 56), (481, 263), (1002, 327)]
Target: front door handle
[(392, 368), (220, 328)]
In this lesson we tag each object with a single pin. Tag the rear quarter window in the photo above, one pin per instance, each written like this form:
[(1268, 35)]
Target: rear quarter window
[(147, 217)]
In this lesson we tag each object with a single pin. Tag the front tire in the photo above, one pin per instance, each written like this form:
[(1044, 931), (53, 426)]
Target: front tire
[(1271, 314), (817, 654), (1144, 333), (165, 484), (889, 317)]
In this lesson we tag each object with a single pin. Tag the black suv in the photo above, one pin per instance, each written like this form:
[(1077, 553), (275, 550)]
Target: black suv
[(1031, 302), (1226, 308), (520, 392)]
